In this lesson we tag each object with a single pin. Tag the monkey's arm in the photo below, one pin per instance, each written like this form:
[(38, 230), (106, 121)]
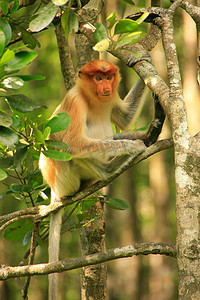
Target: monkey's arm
[(150, 135), (124, 111)]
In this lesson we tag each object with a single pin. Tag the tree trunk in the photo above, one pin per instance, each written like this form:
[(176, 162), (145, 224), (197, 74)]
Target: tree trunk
[(93, 278)]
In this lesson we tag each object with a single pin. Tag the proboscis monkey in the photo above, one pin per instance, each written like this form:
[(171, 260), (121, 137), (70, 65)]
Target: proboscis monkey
[(93, 105)]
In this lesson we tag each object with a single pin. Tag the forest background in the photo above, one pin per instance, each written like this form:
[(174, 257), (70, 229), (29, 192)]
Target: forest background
[(148, 187)]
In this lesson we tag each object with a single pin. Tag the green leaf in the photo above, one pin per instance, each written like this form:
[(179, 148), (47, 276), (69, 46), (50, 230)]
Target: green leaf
[(7, 57), (73, 22), (13, 83), (20, 188), (39, 138), (22, 103), (16, 122), (82, 217), (46, 132), (28, 39), (15, 6), (59, 122), (2, 41), (56, 144), (102, 46), (117, 204), (17, 230), (6, 29), (8, 137), (86, 204), (20, 60), (3, 174), (129, 2), (130, 38), (31, 77), (65, 22), (44, 18), (100, 33), (5, 119), (112, 19), (125, 26), (6, 161), (53, 154), (142, 18), (20, 155), (35, 180), (4, 7)]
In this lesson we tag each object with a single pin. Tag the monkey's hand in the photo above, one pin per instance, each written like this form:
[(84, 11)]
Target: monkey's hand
[(144, 56)]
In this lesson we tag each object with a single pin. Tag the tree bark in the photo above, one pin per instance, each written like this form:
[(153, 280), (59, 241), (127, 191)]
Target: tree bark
[(93, 278)]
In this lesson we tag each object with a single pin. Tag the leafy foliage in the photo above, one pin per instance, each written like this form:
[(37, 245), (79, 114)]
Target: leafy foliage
[(127, 31), (24, 133)]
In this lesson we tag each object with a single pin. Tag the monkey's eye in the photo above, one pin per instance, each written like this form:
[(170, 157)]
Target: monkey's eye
[(98, 78), (109, 77)]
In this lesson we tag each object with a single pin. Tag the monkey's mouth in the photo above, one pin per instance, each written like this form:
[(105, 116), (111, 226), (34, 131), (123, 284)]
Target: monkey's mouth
[(105, 97)]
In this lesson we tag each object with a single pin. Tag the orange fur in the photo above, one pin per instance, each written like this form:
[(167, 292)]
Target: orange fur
[(92, 103)]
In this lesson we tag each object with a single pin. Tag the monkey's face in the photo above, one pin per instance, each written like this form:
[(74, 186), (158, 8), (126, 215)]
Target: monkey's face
[(104, 86)]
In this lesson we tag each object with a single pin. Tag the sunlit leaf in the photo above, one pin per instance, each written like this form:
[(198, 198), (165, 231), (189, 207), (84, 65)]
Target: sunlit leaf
[(22, 103), (13, 83), (7, 56), (8, 137), (3, 174), (20, 60), (125, 26), (142, 18), (60, 2), (102, 46), (112, 19), (57, 155), (44, 18), (5, 119), (128, 39), (59, 122)]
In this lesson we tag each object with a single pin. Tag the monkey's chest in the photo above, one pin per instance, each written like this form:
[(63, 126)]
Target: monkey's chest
[(99, 129)]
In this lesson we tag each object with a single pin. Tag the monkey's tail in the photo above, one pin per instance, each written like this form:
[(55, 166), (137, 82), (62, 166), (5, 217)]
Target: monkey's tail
[(54, 249)]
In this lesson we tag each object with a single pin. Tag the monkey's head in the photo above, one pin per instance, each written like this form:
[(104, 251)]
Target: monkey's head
[(99, 79)]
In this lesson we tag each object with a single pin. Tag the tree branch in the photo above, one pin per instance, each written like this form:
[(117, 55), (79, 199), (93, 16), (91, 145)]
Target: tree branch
[(42, 211), (168, 249)]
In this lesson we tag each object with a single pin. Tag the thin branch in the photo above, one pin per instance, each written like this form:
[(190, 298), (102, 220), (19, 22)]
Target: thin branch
[(31, 259), (168, 249)]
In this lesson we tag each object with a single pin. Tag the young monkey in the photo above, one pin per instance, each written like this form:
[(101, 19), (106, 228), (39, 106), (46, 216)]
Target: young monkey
[(93, 105)]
